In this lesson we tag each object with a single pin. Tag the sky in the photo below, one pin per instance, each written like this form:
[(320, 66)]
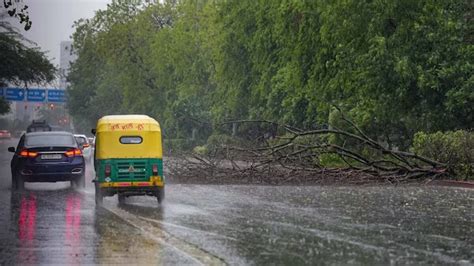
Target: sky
[(53, 21)]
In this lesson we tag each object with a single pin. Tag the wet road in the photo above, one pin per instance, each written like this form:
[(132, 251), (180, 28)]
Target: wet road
[(238, 225)]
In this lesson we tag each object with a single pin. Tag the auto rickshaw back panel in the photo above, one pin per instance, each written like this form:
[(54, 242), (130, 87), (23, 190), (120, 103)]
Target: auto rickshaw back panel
[(120, 126), (128, 157)]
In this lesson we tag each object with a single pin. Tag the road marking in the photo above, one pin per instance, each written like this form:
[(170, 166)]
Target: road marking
[(162, 237), (187, 228)]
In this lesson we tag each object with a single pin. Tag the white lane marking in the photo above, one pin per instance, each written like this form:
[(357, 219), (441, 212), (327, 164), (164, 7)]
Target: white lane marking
[(196, 254), (186, 228)]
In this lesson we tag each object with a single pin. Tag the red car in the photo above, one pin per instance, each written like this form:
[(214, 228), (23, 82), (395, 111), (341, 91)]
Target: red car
[(5, 134)]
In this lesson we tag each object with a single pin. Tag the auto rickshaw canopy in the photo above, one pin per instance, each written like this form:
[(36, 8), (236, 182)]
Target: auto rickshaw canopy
[(111, 130)]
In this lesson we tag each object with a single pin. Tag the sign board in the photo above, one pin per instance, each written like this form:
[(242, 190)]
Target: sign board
[(56, 96), (14, 94), (36, 95)]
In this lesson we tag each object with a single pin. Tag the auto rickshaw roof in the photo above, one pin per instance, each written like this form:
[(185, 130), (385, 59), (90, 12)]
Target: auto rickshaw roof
[(127, 123)]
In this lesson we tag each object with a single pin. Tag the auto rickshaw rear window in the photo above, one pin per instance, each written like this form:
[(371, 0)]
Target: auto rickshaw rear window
[(131, 140)]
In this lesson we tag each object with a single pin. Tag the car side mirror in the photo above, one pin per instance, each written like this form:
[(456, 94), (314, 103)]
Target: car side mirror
[(11, 149), (93, 131)]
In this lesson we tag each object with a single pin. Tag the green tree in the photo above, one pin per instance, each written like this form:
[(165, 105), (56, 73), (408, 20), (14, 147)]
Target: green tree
[(96, 79), (397, 66), (20, 64), (394, 67)]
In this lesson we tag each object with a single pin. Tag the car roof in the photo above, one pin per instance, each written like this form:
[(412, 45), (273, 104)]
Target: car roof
[(48, 133)]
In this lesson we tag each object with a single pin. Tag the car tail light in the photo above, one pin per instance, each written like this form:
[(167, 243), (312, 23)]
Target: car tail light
[(73, 152), (27, 153), (155, 169), (107, 170), (85, 145)]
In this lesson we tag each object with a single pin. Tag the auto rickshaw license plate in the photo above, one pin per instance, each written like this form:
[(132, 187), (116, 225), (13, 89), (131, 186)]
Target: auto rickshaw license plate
[(131, 170)]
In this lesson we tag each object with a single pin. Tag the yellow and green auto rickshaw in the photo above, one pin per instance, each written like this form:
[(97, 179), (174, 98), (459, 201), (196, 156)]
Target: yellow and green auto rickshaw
[(128, 157)]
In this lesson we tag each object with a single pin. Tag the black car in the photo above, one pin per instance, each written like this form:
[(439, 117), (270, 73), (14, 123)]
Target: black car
[(38, 126), (47, 157)]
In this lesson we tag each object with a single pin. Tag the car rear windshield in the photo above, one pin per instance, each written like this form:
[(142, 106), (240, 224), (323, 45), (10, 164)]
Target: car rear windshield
[(49, 140)]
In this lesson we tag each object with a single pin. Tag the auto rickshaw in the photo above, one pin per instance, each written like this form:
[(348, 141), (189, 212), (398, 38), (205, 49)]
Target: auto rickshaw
[(128, 157)]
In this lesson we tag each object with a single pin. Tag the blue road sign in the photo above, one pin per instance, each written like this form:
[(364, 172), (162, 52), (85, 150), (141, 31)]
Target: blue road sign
[(56, 96), (36, 95), (14, 94)]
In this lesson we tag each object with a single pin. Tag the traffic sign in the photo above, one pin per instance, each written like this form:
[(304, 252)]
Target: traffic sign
[(36, 95), (14, 94), (56, 96)]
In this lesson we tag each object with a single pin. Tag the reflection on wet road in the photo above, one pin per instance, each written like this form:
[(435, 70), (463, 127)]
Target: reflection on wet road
[(211, 225), (295, 225), (51, 223), (37, 218)]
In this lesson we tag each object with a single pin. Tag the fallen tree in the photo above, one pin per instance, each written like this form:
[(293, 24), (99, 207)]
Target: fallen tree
[(295, 156)]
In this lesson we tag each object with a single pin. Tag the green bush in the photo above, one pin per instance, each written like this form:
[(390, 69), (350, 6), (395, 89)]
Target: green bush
[(454, 148), (201, 150)]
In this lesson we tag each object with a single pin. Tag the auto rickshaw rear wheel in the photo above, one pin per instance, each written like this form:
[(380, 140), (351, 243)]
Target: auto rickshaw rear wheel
[(121, 198), (160, 194), (99, 197)]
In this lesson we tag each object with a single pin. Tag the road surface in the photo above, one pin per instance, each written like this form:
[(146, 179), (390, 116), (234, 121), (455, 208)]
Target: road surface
[(51, 223)]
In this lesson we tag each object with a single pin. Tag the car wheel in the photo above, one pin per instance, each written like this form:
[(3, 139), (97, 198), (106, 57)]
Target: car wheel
[(20, 183), (160, 194), (81, 182), (99, 197), (14, 181)]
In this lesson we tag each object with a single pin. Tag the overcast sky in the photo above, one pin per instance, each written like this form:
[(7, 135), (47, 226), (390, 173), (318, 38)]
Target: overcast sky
[(53, 20)]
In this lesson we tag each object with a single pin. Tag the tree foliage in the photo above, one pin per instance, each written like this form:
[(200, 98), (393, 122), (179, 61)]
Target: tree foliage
[(19, 10), (395, 67), (19, 63)]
